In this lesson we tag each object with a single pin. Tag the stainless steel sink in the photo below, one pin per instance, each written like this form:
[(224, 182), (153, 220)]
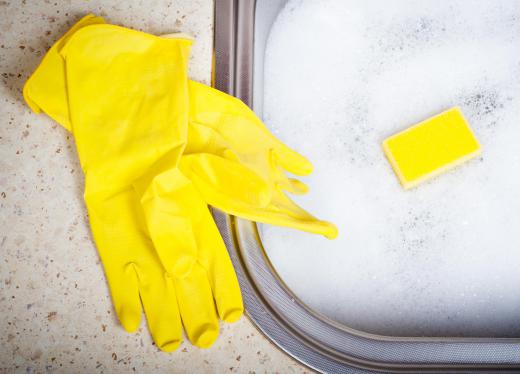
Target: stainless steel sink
[(241, 30)]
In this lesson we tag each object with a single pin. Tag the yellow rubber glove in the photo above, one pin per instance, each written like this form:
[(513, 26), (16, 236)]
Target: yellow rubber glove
[(213, 178), (119, 86), (223, 125)]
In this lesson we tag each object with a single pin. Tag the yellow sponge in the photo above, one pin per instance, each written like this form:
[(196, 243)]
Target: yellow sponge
[(431, 147)]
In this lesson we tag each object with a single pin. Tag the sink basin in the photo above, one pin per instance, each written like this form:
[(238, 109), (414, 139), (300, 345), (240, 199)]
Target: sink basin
[(322, 343)]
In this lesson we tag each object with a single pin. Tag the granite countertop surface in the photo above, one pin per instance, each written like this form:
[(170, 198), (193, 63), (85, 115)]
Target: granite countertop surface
[(55, 310)]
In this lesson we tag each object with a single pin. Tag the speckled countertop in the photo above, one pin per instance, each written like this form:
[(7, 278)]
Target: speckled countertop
[(55, 311)]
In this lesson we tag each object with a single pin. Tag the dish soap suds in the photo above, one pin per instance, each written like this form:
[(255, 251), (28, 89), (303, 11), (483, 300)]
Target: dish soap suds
[(439, 260)]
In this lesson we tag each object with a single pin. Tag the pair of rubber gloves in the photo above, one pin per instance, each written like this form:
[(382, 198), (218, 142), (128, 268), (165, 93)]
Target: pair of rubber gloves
[(156, 149)]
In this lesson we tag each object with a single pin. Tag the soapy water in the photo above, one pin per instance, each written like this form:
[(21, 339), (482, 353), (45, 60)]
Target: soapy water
[(442, 259)]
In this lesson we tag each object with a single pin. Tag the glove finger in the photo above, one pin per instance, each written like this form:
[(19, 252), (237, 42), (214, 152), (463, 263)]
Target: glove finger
[(287, 213), (124, 290), (280, 211), (156, 265), (283, 218), (118, 240), (277, 173), (219, 180), (292, 161), (290, 185), (214, 257), (197, 307), (284, 212), (161, 308), (172, 206), (297, 187), (302, 219)]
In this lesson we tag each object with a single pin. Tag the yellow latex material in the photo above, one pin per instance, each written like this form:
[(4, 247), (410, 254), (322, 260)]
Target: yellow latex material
[(48, 85), (127, 98), (129, 111), (127, 95), (223, 125), (431, 147)]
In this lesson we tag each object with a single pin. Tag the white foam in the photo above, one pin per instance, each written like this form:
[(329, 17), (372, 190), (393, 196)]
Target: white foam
[(340, 76)]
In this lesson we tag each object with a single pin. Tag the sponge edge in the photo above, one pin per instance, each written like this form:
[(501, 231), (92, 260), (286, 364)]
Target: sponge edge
[(431, 147)]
